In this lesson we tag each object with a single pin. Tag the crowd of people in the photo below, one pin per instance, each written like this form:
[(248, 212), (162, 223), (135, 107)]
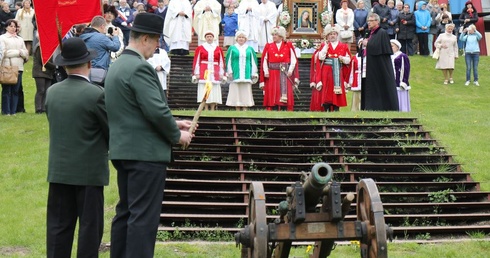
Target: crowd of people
[(419, 27)]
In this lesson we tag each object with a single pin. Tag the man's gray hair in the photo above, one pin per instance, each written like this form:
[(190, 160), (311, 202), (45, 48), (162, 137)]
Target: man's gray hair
[(374, 16), (97, 21)]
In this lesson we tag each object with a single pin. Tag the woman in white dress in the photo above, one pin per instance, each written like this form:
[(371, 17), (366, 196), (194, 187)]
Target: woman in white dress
[(447, 44), (345, 18), (25, 16), (241, 69)]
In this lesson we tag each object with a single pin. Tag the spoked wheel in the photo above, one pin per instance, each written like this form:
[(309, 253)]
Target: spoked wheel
[(257, 221), (370, 212)]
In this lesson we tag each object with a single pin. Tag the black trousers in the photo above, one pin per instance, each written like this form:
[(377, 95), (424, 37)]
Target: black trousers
[(42, 85), (66, 204), (20, 104), (423, 41), (407, 46), (134, 228)]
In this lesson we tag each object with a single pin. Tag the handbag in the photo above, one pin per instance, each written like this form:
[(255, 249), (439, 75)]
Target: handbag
[(9, 74), (436, 53), (461, 29), (345, 34), (97, 75)]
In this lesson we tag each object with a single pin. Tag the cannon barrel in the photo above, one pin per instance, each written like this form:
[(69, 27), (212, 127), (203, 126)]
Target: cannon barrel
[(320, 175)]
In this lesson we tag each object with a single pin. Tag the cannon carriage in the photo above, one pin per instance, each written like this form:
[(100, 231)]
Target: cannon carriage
[(301, 220)]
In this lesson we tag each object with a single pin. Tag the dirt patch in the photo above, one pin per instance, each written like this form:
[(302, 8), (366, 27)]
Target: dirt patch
[(14, 250)]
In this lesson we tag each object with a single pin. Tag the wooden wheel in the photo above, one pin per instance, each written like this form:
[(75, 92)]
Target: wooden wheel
[(257, 221), (370, 212)]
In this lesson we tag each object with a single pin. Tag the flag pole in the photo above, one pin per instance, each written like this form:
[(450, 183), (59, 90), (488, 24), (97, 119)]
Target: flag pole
[(59, 28)]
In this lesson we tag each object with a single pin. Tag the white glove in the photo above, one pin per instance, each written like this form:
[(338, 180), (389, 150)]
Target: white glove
[(296, 83), (345, 60), (347, 86), (403, 85), (124, 23), (194, 79), (261, 86), (312, 84), (319, 86)]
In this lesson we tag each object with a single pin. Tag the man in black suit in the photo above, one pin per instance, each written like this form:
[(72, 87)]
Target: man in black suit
[(78, 168)]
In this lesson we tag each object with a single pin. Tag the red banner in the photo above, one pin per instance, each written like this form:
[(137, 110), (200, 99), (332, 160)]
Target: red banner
[(68, 13), (480, 26)]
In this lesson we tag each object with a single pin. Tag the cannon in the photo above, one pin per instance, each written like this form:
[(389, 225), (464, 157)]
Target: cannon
[(300, 218)]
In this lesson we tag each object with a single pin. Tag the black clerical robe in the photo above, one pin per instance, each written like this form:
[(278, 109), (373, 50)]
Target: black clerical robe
[(378, 91)]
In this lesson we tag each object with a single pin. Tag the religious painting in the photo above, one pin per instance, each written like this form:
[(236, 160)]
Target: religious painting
[(305, 17)]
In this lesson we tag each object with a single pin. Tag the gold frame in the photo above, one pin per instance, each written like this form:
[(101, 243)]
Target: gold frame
[(314, 29)]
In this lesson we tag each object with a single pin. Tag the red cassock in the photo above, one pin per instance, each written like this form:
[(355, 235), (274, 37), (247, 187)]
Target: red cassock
[(316, 95), (324, 74), (203, 59), (355, 76), (278, 59)]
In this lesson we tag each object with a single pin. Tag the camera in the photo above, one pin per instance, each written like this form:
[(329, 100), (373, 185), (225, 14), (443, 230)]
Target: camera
[(111, 30)]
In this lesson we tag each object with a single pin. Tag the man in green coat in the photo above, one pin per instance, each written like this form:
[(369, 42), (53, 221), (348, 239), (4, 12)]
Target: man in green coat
[(78, 166), (142, 132)]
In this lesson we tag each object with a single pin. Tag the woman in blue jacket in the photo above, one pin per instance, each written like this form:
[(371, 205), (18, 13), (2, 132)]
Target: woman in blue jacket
[(422, 26), (471, 38)]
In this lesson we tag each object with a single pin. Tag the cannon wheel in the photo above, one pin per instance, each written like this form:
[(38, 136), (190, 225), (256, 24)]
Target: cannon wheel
[(257, 221), (370, 211)]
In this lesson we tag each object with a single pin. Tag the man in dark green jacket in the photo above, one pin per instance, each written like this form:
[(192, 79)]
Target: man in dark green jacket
[(142, 132), (78, 166)]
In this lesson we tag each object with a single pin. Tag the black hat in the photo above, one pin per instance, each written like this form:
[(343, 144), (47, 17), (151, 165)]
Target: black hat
[(73, 52), (148, 23)]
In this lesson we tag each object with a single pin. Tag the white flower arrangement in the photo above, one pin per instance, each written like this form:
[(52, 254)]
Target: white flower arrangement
[(284, 18), (326, 17), (304, 44)]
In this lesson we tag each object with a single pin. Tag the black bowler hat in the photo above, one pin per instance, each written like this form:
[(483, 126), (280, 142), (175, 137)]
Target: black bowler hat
[(148, 23), (73, 52)]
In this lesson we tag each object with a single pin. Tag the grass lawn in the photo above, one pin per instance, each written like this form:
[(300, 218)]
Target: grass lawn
[(455, 115)]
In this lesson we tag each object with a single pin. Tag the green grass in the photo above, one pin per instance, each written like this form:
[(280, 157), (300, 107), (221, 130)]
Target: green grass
[(454, 114)]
